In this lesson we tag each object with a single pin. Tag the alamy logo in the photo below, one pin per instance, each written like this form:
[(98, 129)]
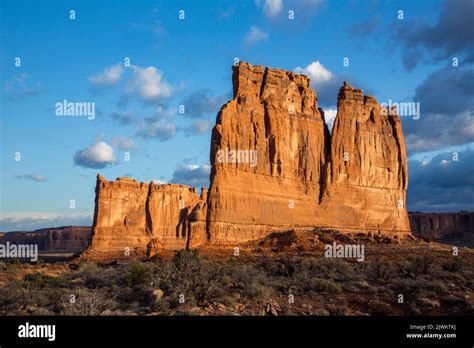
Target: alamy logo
[(66, 108), (20, 251), (37, 331), (237, 156), (345, 251), (402, 109)]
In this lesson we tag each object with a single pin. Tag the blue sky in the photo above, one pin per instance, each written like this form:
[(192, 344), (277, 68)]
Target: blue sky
[(188, 62)]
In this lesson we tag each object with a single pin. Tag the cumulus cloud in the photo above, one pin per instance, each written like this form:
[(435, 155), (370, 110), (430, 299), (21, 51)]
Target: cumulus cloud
[(446, 99), (98, 156), (109, 77), (226, 14), (442, 183), (200, 103), (21, 221), (18, 87), (156, 128), (330, 116), (324, 82), (316, 72), (451, 35), (192, 175), (123, 118), (123, 143), (271, 8), (365, 27), (148, 84), (199, 127), (32, 177), (254, 36)]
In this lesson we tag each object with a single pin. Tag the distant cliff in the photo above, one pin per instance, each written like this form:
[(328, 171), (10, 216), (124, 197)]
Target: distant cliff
[(438, 226), (58, 239)]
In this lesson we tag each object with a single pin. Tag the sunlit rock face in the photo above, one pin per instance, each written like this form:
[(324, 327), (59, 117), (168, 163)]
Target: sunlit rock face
[(274, 117), (275, 167), (302, 176), (366, 174), (134, 219)]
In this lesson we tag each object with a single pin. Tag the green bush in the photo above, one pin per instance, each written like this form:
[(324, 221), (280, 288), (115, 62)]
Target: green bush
[(41, 280), (137, 274), (325, 285)]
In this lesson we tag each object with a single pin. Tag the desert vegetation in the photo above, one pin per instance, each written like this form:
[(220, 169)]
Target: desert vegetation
[(394, 279)]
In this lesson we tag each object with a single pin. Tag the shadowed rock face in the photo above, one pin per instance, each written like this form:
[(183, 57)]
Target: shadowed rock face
[(59, 239), (439, 226), (275, 166)]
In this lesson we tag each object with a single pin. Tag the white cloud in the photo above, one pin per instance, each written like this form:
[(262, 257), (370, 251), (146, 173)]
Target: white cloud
[(148, 84), (316, 72), (192, 174), (32, 177), (271, 8), (123, 143), (324, 82), (122, 117), (18, 87), (28, 221), (330, 116), (156, 128), (98, 155), (254, 36), (200, 126), (110, 76), (158, 182)]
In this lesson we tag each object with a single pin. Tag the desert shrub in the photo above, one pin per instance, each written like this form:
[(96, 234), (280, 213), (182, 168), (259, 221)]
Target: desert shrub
[(88, 302), (325, 285), (422, 264), (403, 285), (284, 268), (15, 262), (187, 260), (405, 270), (379, 272), (226, 280), (257, 291), (338, 310), (228, 301), (452, 265), (41, 280), (198, 279), (435, 286), (137, 274), (88, 270), (21, 295), (250, 280)]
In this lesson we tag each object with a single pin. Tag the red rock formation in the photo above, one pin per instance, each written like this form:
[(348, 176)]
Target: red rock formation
[(366, 173), (274, 167), (134, 219), (438, 226), (273, 117), (58, 239), (358, 182)]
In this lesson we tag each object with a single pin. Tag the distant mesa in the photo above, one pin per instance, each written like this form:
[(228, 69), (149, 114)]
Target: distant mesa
[(301, 176), (67, 239)]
